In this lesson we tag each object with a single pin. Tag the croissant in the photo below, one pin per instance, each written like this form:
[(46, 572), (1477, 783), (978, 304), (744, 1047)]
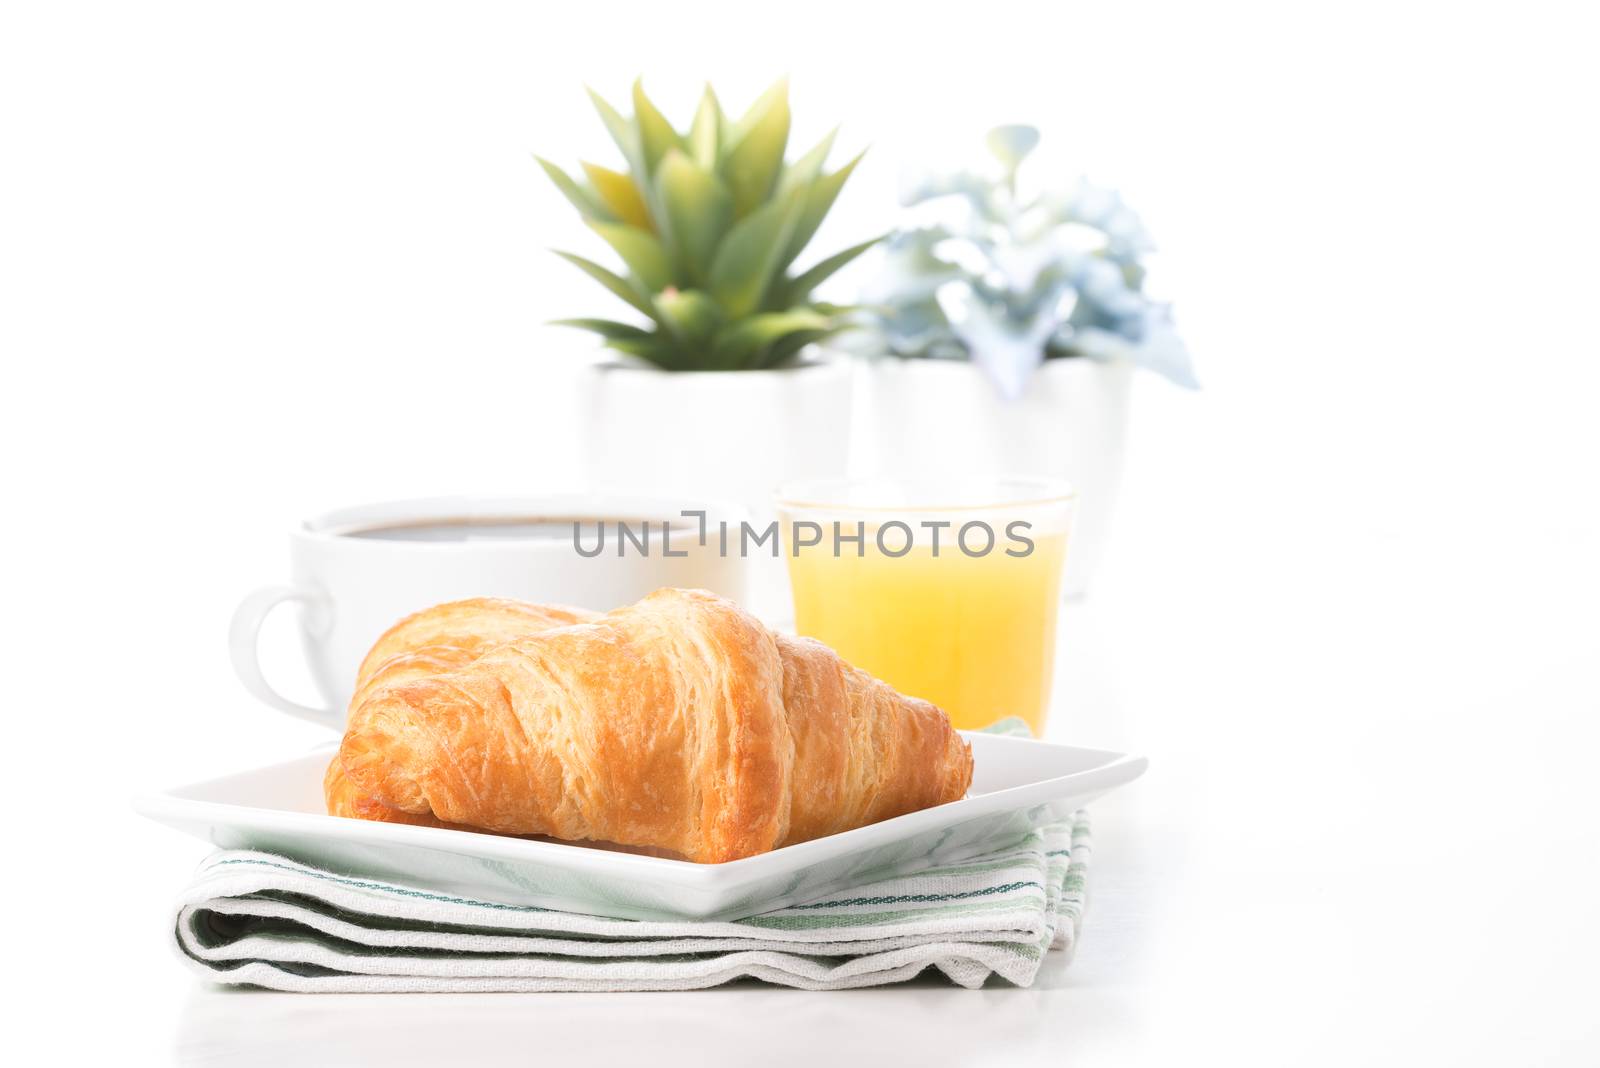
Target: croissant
[(430, 642), (678, 723)]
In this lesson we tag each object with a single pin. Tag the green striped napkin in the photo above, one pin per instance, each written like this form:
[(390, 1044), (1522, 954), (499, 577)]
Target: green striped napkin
[(262, 920)]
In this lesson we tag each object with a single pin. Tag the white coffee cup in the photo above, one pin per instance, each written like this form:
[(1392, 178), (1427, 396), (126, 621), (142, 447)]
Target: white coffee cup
[(357, 571)]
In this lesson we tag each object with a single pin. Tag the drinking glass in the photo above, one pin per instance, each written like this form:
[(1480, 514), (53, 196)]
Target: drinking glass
[(945, 591)]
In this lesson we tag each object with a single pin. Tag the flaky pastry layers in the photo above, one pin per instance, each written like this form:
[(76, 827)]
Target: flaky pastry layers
[(678, 723), (435, 640)]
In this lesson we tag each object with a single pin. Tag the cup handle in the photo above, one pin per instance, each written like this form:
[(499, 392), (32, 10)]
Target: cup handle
[(243, 633)]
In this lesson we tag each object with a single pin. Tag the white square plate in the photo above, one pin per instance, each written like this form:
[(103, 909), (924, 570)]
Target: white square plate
[(1016, 783)]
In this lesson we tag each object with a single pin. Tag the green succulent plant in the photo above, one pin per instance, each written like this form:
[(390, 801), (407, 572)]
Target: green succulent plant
[(708, 224)]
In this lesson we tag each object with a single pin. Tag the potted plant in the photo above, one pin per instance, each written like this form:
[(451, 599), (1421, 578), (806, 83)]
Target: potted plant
[(1006, 325), (718, 385)]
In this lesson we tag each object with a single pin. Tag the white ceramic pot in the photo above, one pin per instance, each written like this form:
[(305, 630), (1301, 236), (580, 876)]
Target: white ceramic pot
[(930, 419), (729, 435)]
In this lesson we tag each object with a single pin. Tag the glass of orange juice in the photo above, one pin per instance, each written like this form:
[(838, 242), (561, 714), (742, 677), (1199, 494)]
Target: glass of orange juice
[(947, 592)]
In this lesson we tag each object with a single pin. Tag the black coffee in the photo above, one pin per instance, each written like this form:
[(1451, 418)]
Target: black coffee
[(508, 528)]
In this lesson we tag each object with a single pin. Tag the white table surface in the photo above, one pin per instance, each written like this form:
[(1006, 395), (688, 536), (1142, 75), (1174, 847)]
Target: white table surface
[(1289, 895)]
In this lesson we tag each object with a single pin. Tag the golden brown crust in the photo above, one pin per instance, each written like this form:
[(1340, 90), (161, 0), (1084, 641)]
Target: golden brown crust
[(345, 800), (456, 633), (660, 724), (863, 752), (430, 642), (677, 723)]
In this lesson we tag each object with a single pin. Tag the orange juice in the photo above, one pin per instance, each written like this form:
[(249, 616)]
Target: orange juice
[(974, 635)]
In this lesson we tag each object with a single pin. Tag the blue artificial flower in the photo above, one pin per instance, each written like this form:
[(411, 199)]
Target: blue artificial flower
[(1008, 281)]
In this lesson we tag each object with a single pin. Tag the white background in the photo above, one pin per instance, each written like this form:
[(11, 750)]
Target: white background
[(258, 260)]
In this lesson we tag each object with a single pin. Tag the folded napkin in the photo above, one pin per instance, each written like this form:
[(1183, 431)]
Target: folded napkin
[(262, 920)]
